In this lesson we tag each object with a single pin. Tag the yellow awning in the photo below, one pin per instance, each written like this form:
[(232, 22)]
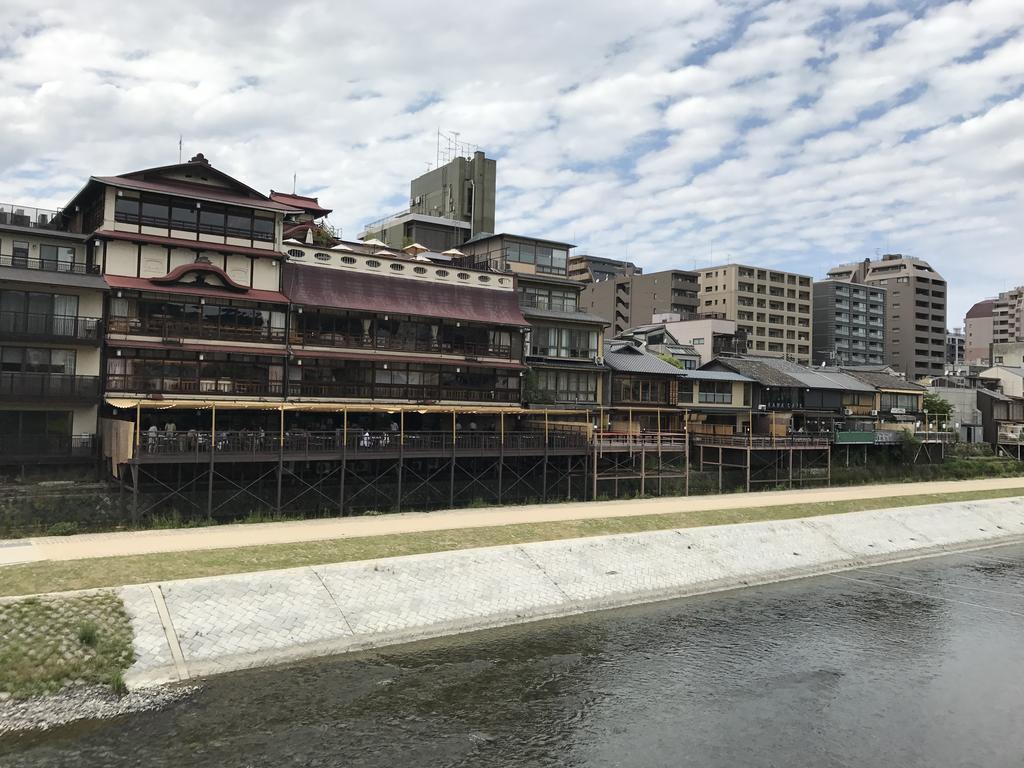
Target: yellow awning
[(329, 407)]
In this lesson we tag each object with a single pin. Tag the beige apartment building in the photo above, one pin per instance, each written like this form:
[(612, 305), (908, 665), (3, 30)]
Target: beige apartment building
[(1008, 316), (915, 320), (772, 307), (631, 300)]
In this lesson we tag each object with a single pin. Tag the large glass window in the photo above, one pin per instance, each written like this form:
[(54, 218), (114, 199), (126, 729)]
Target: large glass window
[(211, 220), (240, 223), (546, 341), (563, 387), (629, 389), (715, 392), (184, 215), (263, 227), (127, 208), (34, 360), (155, 211), (57, 258)]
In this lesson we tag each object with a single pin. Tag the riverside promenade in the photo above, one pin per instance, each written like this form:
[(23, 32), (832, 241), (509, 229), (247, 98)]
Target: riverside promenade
[(195, 627), (97, 545)]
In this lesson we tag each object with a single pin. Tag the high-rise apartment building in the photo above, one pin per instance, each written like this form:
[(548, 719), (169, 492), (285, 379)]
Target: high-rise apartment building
[(978, 332), (772, 307), (447, 206), (849, 323), (1008, 316), (590, 269), (915, 311), (631, 300)]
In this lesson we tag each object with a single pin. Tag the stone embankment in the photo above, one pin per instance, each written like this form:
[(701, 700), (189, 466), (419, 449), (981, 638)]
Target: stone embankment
[(196, 627)]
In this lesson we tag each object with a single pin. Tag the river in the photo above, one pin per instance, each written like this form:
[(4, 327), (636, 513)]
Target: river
[(917, 664)]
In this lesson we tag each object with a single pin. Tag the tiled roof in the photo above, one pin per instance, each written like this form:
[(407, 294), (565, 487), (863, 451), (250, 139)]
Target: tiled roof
[(884, 381), (629, 358), (197, 191)]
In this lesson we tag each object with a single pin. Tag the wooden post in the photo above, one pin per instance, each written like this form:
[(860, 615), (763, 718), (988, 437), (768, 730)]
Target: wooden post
[(720, 459), (280, 460), (138, 428), (501, 453), (748, 469), (451, 472), (401, 459), (213, 450)]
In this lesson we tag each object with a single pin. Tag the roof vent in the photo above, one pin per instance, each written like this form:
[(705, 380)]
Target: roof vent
[(200, 158)]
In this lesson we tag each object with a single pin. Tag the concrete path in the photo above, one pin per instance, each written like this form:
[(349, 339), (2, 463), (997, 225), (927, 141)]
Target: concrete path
[(226, 536)]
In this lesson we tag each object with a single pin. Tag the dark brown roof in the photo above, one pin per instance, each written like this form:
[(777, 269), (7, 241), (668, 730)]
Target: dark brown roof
[(321, 287), (386, 357), (188, 289), (195, 245), (308, 204), (200, 191), (984, 308), (175, 275)]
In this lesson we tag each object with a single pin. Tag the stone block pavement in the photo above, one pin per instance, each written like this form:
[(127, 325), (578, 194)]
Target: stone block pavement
[(198, 627)]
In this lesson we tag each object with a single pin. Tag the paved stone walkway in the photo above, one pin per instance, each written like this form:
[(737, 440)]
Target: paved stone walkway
[(203, 626), (225, 536)]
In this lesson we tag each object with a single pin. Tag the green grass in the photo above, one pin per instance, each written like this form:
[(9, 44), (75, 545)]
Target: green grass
[(48, 644), (65, 575)]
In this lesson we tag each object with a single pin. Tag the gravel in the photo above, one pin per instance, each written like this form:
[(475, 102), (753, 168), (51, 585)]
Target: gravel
[(81, 703)]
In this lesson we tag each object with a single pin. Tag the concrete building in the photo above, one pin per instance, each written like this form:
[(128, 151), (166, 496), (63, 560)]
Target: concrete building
[(658, 339), (1008, 353), (978, 333), (915, 320), (51, 330), (956, 349), (709, 336), (634, 299), (1011, 379), (590, 269), (849, 323), (447, 206), (771, 307), (1008, 316)]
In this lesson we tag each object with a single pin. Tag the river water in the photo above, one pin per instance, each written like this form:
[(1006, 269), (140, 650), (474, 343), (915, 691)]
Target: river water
[(918, 664)]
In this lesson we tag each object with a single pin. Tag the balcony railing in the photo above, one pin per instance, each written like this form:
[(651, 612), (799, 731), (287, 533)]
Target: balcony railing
[(315, 337), (233, 386), (19, 261), (170, 328), (241, 443), (543, 302), (744, 441), (25, 216), (58, 327), (29, 447), (22, 385)]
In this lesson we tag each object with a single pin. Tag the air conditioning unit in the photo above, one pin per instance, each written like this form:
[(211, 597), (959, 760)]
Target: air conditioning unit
[(874, 413), (762, 407), (897, 411), (847, 412)]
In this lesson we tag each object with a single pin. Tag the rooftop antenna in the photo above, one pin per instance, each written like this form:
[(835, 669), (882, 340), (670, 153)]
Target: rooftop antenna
[(179, 148), (295, 178)]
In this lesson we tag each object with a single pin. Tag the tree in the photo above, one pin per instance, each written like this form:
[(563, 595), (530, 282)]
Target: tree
[(669, 359), (936, 406)]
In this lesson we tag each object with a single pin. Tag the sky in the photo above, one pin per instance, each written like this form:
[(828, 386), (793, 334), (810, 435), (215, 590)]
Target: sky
[(798, 134)]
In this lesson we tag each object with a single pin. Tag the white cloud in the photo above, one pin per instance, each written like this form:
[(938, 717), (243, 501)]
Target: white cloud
[(795, 132)]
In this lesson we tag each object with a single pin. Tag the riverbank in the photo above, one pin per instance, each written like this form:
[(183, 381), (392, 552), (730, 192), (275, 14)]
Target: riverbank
[(192, 628), (175, 555), (186, 629)]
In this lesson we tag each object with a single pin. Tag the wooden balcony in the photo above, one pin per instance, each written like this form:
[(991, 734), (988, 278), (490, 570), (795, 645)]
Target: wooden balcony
[(172, 328), (354, 444), (17, 385), (20, 326), (47, 448)]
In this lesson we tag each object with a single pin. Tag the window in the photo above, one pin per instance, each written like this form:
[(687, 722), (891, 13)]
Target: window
[(417, 270), (547, 341), (211, 220), (126, 208), (240, 223), (295, 253), (563, 386), (398, 267), (184, 215), (372, 263), (263, 227), (33, 360), (697, 340), (637, 390), (16, 426), (715, 392), (463, 275), (57, 258), (322, 256), (351, 260), (155, 211)]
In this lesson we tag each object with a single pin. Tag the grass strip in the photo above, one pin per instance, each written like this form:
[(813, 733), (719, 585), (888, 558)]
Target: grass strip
[(65, 575), (49, 643)]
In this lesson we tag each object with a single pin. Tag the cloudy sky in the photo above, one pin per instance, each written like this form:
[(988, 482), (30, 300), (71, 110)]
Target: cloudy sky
[(796, 133)]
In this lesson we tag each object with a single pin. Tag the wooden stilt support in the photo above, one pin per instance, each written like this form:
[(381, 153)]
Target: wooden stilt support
[(213, 450)]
